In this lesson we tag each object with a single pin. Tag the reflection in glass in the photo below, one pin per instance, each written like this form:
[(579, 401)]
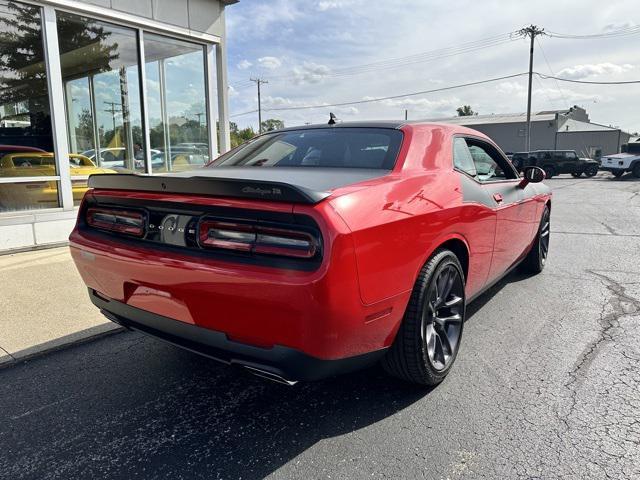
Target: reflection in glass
[(25, 120), (176, 102), (100, 74), (29, 195)]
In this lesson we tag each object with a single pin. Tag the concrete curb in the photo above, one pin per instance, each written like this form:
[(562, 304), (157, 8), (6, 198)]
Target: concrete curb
[(83, 336)]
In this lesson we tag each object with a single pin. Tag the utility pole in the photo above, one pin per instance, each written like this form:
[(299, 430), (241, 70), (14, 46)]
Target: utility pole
[(258, 82), (113, 109), (531, 31)]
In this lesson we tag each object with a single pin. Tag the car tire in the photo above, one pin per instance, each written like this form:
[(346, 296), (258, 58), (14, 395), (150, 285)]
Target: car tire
[(428, 340), (636, 170), (549, 172), (591, 171), (618, 173), (576, 174), (536, 259)]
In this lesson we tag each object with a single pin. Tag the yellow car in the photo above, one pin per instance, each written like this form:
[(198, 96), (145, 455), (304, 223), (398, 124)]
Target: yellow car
[(19, 196)]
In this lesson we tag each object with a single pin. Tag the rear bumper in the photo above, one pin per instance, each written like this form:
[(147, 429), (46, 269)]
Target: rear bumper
[(277, 362)]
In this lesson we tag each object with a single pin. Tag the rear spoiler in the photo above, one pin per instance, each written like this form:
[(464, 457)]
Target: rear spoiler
[(220, 187)]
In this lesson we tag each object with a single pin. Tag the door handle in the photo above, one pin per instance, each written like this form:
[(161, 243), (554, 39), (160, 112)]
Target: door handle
[(497, 197)]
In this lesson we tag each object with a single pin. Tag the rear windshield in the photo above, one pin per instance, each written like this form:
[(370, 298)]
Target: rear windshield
[(375, 148)]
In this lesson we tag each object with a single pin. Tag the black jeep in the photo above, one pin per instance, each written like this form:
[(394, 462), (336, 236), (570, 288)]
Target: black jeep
[(555, 162)]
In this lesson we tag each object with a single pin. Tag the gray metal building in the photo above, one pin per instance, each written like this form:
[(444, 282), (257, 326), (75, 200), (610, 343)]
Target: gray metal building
[(552, 129)]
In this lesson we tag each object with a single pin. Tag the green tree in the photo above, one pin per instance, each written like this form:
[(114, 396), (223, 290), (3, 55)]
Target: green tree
[(239, 136), (465, 111), (272, 124), (21, 51)]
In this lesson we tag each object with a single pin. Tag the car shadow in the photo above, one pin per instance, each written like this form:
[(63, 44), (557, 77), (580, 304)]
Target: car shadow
[(627, 177), (128, 406), (602, 176)]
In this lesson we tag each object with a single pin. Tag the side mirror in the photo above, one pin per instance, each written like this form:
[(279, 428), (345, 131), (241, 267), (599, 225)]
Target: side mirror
[(532, 175)]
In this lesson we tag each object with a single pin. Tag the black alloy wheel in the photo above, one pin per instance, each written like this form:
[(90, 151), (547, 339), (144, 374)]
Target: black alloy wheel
[(428, 340), (442, 318), (545, 234), (536, 259), (591, 171), (549, 172)]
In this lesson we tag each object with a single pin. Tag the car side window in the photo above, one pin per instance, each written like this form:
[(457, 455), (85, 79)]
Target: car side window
[(490, 165), (462, 159)]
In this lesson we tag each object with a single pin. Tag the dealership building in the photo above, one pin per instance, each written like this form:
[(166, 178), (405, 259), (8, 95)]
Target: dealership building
[(102, 86), (569, 129)]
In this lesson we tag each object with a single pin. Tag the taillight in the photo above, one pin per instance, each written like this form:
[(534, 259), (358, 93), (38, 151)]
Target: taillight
[(119, 221), (257, 239)]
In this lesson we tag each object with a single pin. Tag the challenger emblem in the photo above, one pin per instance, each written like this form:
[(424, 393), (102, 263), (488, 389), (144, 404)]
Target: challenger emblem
[(262, 191)]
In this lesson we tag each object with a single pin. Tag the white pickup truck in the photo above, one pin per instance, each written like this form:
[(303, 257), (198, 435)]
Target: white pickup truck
[(620, 163)]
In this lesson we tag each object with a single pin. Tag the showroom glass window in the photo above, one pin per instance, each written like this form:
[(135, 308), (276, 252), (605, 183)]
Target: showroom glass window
[(99, 63), (176, 98), (26, 142)]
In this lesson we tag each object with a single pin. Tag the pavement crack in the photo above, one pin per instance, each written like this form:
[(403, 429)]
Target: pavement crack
[(622, 304)]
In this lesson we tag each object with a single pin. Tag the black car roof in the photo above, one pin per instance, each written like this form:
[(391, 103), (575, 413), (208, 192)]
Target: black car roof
[(367, 124)]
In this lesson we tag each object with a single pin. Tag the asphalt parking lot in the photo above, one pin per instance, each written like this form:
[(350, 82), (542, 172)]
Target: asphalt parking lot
[(546, 385)]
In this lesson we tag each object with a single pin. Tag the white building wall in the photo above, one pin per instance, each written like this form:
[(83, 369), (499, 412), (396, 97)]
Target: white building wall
[(204, 16)]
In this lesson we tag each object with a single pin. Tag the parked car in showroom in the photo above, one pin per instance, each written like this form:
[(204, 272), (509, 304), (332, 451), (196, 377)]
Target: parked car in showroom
[(316, 250), (7, 149), (42, 164), (556, 162), (627, 161)]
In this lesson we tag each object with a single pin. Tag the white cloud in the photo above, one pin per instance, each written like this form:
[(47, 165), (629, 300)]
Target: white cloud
[(316, 38), (617, 26), (328, 5), (566, 97), (278, 101), (270, 63), (510, 88), (345, 111), (583, 71), (262, 18), (232, 92), (310, 72), (324, 5), (423, 105), (244, 64)]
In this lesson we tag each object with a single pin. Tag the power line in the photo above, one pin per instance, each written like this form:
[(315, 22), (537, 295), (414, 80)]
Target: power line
[(243, 113), (435, 90), (437, 54), (391, 97), (422, 57), (546, 60), (418, 58), (589, 82), (621, 32)]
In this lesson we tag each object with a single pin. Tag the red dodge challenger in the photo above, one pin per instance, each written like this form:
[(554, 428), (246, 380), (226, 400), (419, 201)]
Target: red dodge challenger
[(316, 250)]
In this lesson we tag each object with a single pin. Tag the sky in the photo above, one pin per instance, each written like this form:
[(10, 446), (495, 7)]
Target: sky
[(308, 51)]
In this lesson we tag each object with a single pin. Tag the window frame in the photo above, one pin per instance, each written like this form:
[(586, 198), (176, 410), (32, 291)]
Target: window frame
[(214, 53), (502, 156)]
